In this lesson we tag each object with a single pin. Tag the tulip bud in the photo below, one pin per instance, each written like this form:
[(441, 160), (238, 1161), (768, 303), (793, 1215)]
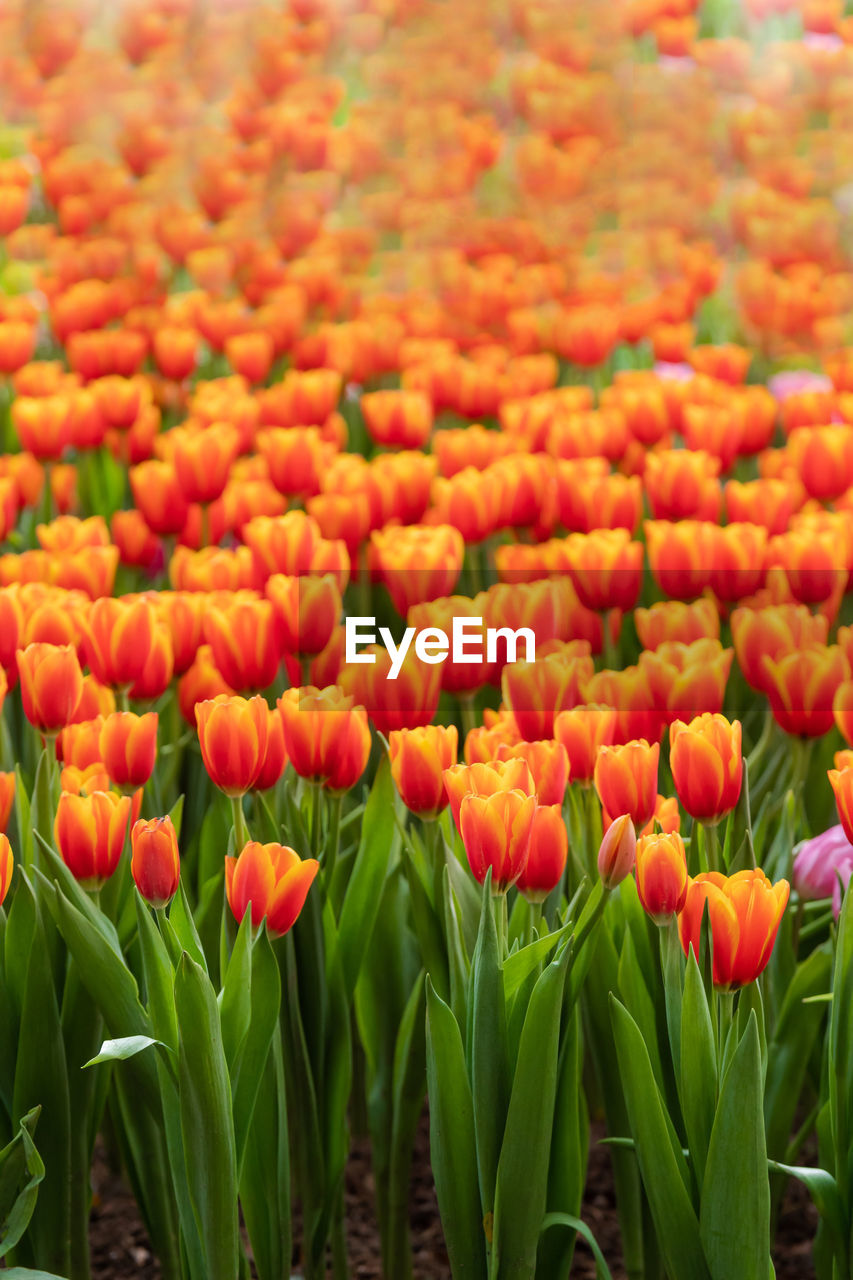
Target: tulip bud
[(51, 685), (418, 760), (661, 875), (7, 866), (496, 834), (155, 863), (617, 851), (7, 798), (129, 747)]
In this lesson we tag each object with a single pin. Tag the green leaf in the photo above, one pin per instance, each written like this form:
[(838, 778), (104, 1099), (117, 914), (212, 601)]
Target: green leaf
[(122, 1049), (525, 1153), (265, 1173), (662, 1164), (263, 1026), (235, 998), (379, 838), (21, 1172), (823, 1190), (735, 1213), (206, 1121), (575, 1224), (526, 959), (569, 1149), (697, 1086), (452, 1142), (488, 1050)]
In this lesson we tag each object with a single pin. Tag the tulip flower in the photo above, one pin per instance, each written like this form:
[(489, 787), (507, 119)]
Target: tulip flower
[(841, 781), (419, 758), (617, 851), (819, 862), (547, 854), (486, 779), (802, 686), (549, 767), (51, 685), (232, 734), (155, 863), (119, 635), (243, 642), (673, 620), (626, 779), (745, 913), (90, 831), (7, 866), (661, 875), (536, 691), (274, 880), (582, 730), (306, 610), (7, 798), (325, 735), (496, 831), (128, 748), (275, 755), (707, 765)]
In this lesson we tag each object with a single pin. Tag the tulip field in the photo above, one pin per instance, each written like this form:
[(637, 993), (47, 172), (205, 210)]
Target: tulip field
[(426, 639)]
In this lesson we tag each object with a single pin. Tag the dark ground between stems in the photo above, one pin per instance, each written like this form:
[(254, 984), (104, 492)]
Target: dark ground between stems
[(120, 1248)]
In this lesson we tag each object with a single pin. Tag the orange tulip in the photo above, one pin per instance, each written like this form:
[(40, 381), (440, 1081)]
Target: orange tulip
[(680, 556), (745, 912), (242, 638), (274, 879), (157, 493), (201, 682), (51, 685), (626, 779), (496, 831), (7, 799), (549, 767), (251, 355), (773, 632), (802, 686), (203, 460), (417, 563), (90, 831), (707, 765), (155, 862), (119, 636), (419, 758), (547, 854), (681, 484), (686, 679), (232, 734), (485, 779), (128, 748), (405, 703), (325, 735), (674, 620), (842, 710), (536, 691), (306, 609), (661, 875), (398, 418), (617, 851), (7, 867), (606, 568), (582, 730)]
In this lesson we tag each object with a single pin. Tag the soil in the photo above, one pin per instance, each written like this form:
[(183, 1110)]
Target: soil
[(120, 1249)]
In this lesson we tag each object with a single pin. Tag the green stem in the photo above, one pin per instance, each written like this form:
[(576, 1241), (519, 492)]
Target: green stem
[(499, 906), (316, 819), (340, 1264), (333, 838), (758, 752), (241, 832), (469, 715), (712, 847), (305, 669)]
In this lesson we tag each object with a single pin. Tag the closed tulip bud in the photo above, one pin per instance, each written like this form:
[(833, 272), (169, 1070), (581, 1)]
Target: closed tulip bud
[(51, 685), (7, 798), (306, 609), (119, 638), (745, 911), (707, 765), (128, 748), (90, 832), (418, 760), (626, 779), (617, 851), (661, 875), (155, 863), (496, 832), (549, 767), (582, 730), (546, 858), (7, 866), (232, 734), (274, 879)]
